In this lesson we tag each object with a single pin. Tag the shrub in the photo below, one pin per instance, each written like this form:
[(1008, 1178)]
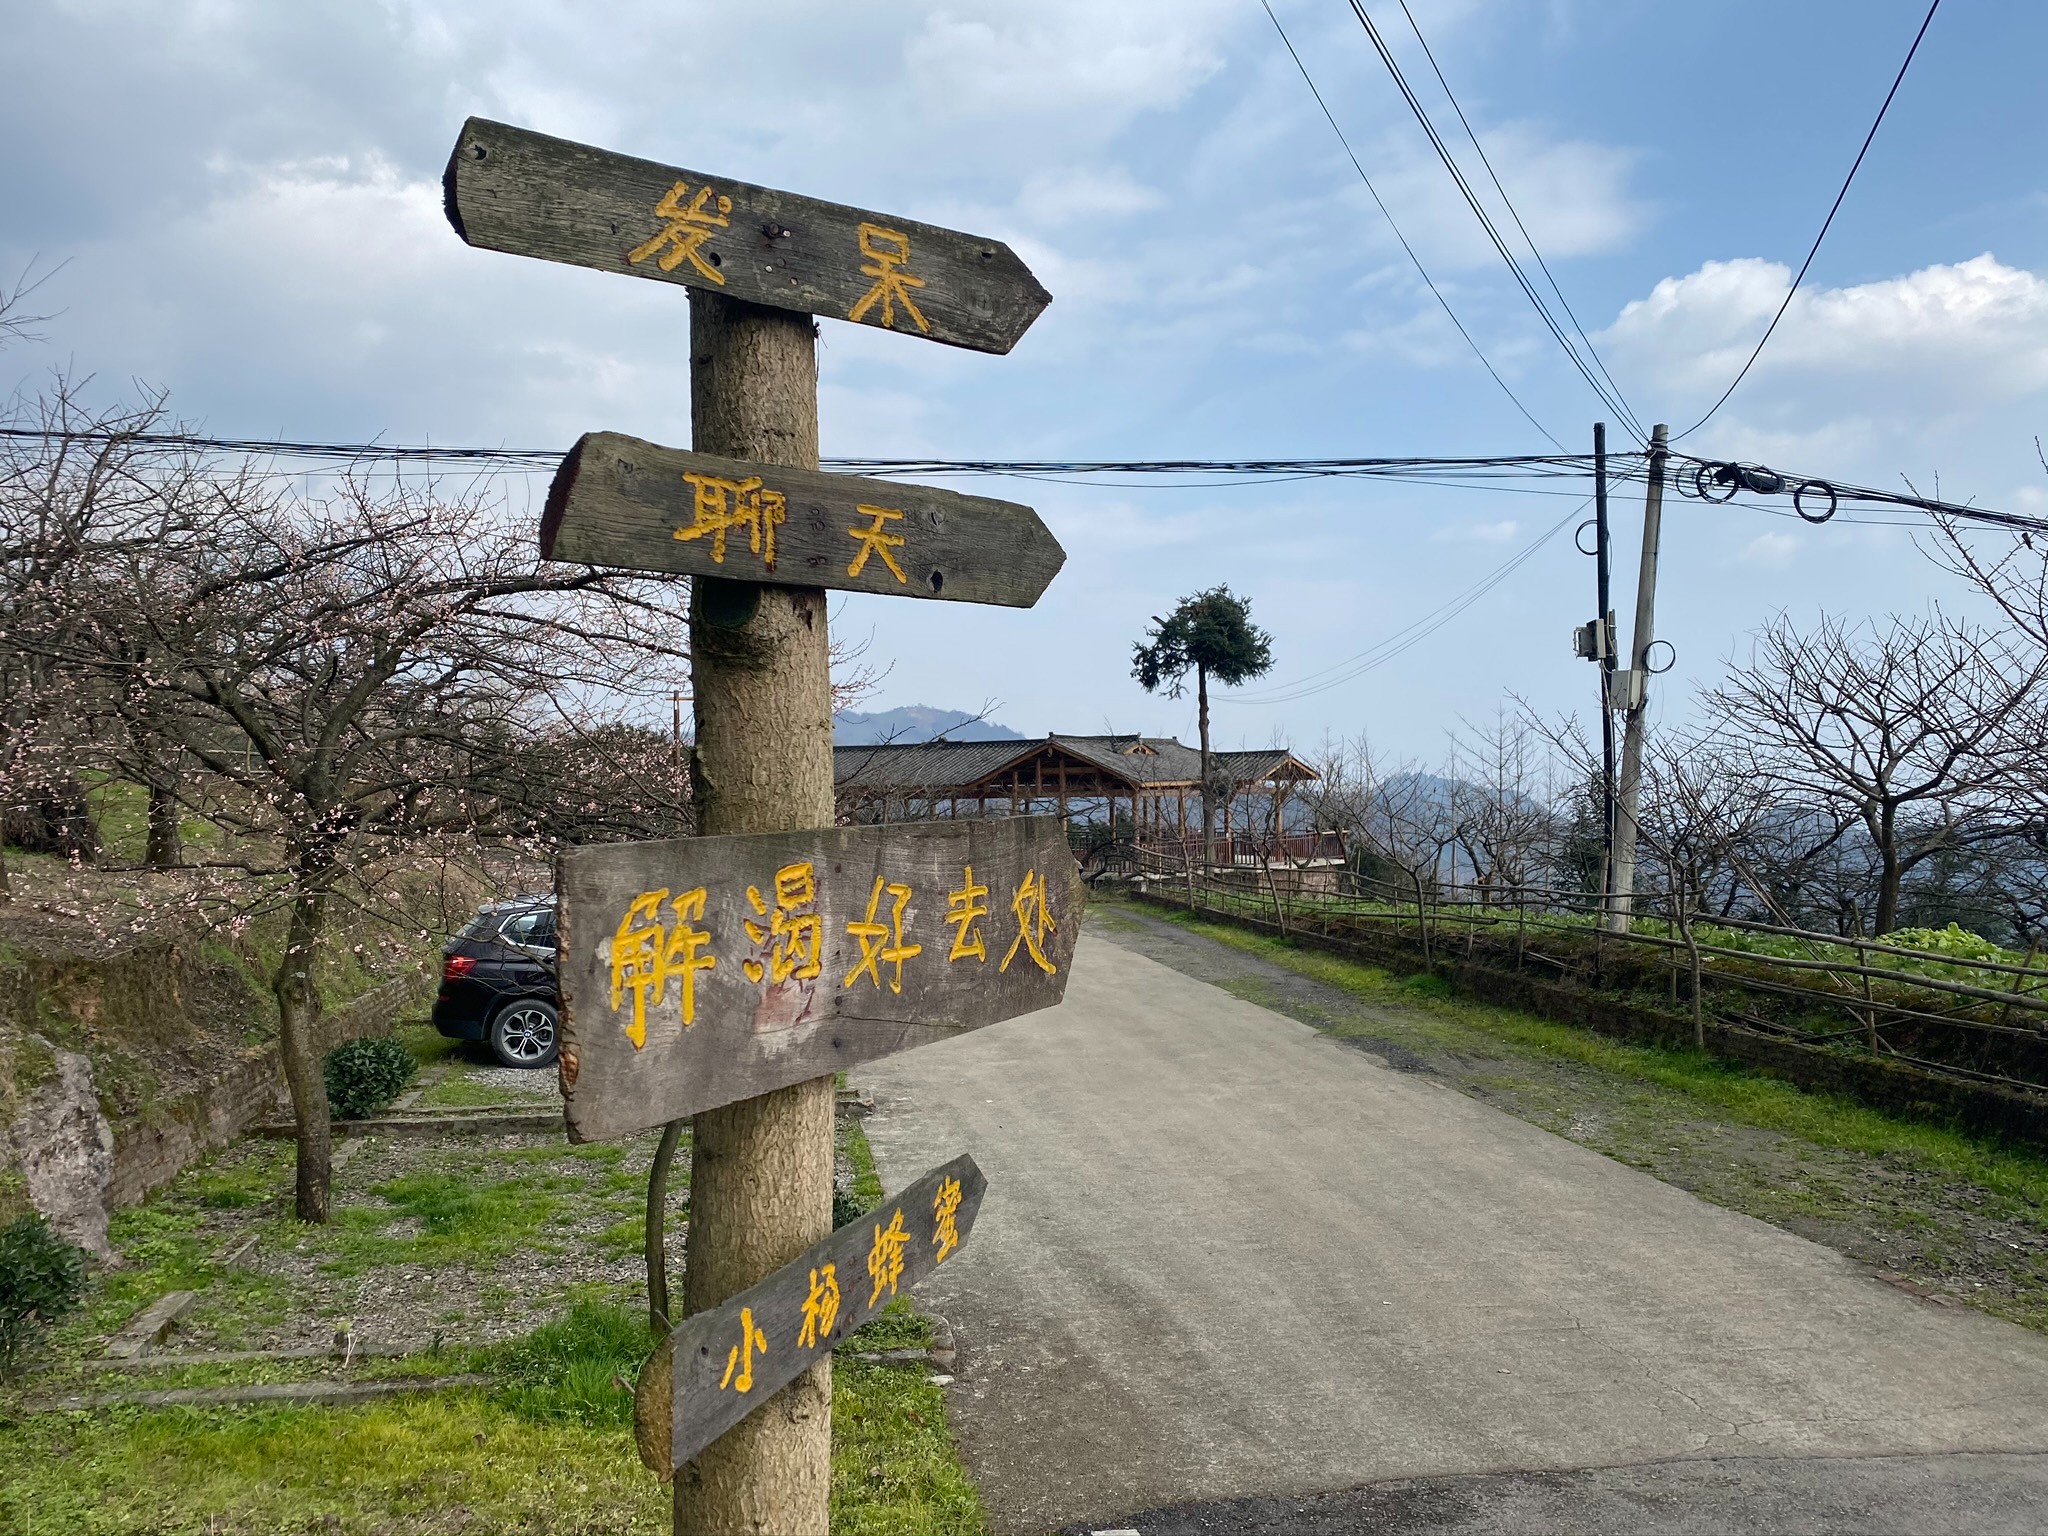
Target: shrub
[(1952, 940), (41, 1278), (846, 1206), (365, 1075)]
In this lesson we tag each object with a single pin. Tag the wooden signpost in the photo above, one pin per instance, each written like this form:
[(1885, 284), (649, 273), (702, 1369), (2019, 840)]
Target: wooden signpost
[(619, 501), (720, 1365), (728, 976), (510, 189), (708, 969)]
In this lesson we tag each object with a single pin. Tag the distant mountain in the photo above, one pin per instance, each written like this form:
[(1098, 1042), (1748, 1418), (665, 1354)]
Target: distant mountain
[(915, 722)]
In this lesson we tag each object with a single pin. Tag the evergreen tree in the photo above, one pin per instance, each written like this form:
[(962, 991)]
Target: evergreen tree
[(1212, 635)]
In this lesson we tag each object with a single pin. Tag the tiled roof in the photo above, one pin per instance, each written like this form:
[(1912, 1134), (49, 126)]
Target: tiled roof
[(1143, 761), (921, 766)]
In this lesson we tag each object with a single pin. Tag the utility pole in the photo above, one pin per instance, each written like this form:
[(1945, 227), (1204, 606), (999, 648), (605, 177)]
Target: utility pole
[(1603, 623), (1635, 690)]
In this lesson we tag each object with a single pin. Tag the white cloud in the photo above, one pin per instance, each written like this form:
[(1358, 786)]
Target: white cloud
[(1477, 533), (1084, 192), (1771, 550), (1574, 196), (1068, 57), (1935, 340)]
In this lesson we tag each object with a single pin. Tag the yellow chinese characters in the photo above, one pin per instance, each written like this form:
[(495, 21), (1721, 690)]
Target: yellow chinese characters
[(874, 951), (1034, 922), (722, 505), (821, 1307), (945, 1215), (875, 540), (689, 225), (887, 251), (964, 909), (645, 954), (795, 936), (740, 1358), (885, 1258)]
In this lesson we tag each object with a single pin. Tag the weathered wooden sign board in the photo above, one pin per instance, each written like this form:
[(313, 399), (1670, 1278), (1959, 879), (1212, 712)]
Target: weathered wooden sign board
[(510, 189), (703, 970), (722, 1364), (623, 502)]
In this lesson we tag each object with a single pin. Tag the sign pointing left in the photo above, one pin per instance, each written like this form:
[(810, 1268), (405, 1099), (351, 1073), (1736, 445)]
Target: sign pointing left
[(510, 189)]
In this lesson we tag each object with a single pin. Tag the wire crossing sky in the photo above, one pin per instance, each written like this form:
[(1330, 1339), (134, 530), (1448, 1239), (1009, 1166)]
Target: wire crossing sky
[(1259, 363)]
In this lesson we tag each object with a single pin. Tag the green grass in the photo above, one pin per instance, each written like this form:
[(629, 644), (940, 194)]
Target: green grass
[(426, 1043), (397, 1466), (459, 1215), (894, 1469), (626, 1235), (1748, 1097), (569, 1371), (867, 1183), (461, 1092), (547, 1448), (899, 1325)]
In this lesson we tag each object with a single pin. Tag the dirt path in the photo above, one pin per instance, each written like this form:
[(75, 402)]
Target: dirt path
[(1952, 1239), (1224, 1254)]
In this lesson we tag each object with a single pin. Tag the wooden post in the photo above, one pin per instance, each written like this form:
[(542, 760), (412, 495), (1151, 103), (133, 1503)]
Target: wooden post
[(760, 1169)]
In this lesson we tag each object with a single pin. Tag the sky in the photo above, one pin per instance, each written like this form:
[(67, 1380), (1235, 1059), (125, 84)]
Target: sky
[(240, 203)]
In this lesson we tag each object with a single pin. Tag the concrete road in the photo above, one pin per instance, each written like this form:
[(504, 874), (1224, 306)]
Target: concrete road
[(1222, 1256)]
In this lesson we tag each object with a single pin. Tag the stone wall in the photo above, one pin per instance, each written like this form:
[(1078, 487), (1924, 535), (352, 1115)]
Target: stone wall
[(121, 1065), (214, 1113)]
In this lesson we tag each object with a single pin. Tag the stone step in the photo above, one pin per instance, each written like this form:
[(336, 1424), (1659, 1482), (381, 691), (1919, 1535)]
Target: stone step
[(319, 1392), (149, 1326)]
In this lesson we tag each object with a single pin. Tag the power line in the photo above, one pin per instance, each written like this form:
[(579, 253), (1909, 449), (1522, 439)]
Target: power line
[(1508, 202), (1417, 260), (1609, 398), (1511, 465), (1471, 472), (1405, 639), (1833, 209)]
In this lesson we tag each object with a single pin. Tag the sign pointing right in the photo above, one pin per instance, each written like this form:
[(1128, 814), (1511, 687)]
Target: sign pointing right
[(511, 189), (622, 502)]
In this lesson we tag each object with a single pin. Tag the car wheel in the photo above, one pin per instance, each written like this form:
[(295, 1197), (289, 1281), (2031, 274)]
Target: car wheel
[(525, 1034)]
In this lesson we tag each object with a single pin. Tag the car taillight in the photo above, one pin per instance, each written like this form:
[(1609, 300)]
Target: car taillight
[(455, 967)]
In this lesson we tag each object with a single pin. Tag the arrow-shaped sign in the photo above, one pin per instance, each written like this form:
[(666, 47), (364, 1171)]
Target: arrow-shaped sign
[(621, 502), (510, 189), (704, 970), (721, 1365)]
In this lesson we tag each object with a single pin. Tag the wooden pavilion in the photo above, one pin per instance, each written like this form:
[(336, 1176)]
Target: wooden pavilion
[(1147, 785)]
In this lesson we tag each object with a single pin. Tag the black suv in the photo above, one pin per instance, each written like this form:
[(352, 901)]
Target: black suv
[(498, 982)]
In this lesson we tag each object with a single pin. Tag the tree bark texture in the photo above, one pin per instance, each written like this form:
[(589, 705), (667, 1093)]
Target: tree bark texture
[(166, 845), (298, 1016), (761, 1169)]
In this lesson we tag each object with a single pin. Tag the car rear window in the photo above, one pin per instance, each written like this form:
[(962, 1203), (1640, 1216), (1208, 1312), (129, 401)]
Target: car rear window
[(525, 928)]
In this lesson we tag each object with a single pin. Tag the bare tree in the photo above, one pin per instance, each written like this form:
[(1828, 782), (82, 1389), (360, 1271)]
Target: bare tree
[(1699, 807), (362, 678), (1399, 818), (1502, 817), (1900, 727), (76, 486)]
